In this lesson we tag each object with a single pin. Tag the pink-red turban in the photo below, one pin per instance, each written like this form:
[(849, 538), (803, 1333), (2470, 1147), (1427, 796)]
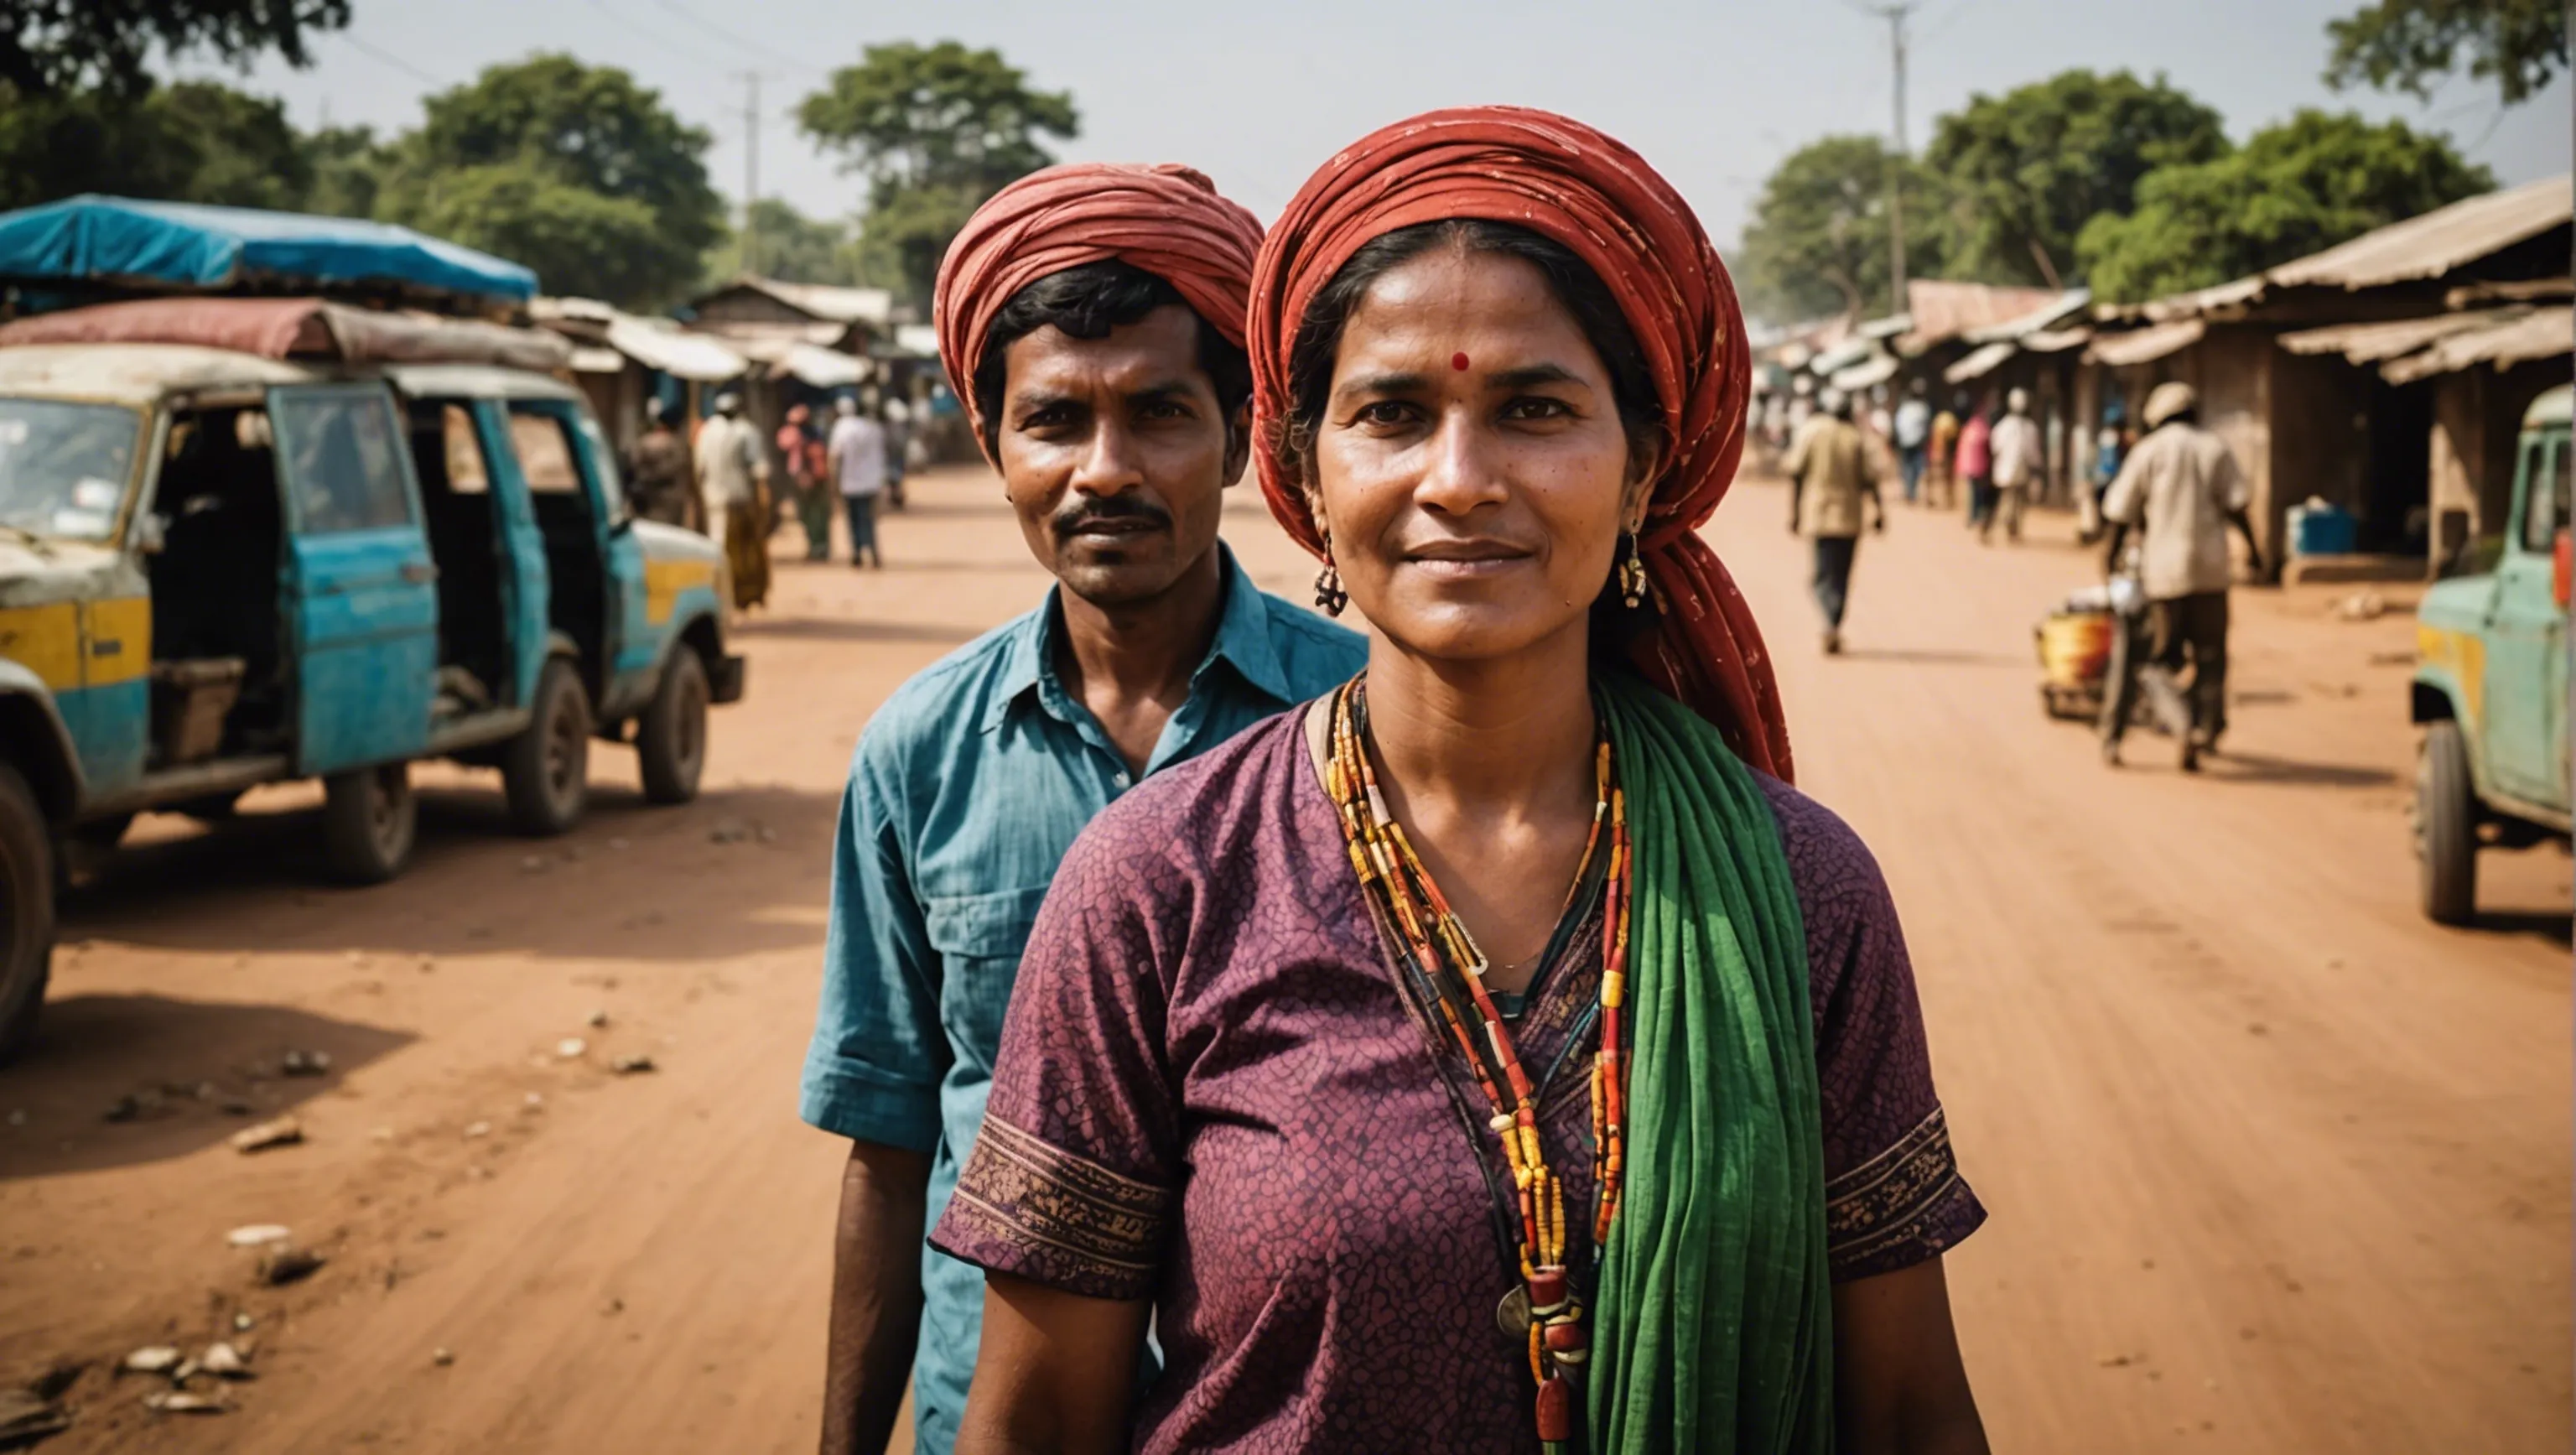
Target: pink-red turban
[(1565, 181), (1166, 220)]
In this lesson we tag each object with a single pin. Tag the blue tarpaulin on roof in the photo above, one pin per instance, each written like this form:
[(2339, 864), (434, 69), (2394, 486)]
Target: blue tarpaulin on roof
[(92, 238)]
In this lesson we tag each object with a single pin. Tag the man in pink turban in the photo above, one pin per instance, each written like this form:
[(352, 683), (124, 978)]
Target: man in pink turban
[(1091, 321)]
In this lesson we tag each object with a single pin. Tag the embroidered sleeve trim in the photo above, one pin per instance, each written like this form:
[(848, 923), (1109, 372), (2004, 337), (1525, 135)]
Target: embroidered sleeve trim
[(1078, 1222), (1901, 1207)]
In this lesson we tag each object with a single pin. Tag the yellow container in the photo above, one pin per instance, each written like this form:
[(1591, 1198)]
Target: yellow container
[(2075, 647)]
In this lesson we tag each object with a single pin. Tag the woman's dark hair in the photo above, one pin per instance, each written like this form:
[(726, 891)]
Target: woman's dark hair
[(1086, 302), (1576, 286)]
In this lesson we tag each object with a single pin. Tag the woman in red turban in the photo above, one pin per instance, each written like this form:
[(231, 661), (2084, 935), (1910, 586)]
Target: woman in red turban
[(1511, 984)]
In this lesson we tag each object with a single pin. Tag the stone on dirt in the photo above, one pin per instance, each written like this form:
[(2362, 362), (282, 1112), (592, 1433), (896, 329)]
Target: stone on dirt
[(305, 1063), (635, 1065), (181, 1402), (286, 1264), (224, 1362), (254, 1235), (283, 1132), (152, 1359), (571, 1047), (441, 1357)]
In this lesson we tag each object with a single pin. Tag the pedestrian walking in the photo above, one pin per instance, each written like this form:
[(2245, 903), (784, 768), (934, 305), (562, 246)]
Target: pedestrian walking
[(1913, 438), (809, 483), (2181, 489), (2110, 447), (1497, 977), (658, 477), (733, 480), (858, 464), (1976, 465), (1118, 293), (2020, 460), (898, 444), (1941, 474), (1833, 495)]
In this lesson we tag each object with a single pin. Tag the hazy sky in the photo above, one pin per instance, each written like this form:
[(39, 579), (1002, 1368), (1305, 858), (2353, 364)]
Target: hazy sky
[(1712, 93)]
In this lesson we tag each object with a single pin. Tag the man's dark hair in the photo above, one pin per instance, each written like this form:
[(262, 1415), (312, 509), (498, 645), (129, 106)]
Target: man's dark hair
[(1086, 303)]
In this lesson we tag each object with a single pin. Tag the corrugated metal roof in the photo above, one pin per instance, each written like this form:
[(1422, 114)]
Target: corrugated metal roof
[(2410, 251), (874, 306), (1943, 310), (1979, 364), (2055, 311), (2370, 343), (2435, 243), (2145, 345), (2540, 334)]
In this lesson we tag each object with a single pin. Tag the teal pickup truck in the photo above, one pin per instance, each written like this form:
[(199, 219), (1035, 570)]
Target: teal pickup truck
[(2491, 683)]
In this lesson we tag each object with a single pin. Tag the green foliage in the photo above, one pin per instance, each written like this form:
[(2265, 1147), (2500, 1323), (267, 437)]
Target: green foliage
[(349, 167), (51, 47), (2027, 170), (1817, 242), (794, 248), (935, 130), (2293, 189), (2407, 45), (578, 146), (196, 141)]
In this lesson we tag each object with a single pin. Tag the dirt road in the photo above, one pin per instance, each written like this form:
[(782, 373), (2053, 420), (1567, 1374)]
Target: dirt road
[(2274, 1165)]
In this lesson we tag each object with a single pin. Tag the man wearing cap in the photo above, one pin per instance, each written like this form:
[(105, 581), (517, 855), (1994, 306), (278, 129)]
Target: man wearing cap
[(2019, 454), (1831, 479), (2180, 487), (733, 480), (1091, 322)]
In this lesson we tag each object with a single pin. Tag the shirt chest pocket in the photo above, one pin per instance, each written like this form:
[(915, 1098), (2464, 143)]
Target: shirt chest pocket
[(979, 938)]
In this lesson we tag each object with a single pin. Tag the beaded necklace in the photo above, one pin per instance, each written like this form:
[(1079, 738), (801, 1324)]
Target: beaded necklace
[(1437, 948)]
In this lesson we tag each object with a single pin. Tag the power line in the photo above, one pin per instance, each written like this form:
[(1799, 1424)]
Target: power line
[(390, 59), (729, 37), (655, 36)]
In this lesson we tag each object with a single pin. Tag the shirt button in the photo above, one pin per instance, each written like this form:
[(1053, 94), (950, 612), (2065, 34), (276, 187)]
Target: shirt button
[(1120, 780)]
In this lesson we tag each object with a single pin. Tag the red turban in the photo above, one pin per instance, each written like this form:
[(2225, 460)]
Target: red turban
[(1167, 220), (1565, 181)]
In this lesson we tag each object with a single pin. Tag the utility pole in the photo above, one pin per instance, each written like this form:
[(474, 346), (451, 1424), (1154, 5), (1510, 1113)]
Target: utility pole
[(1895, 14), (750, 170)]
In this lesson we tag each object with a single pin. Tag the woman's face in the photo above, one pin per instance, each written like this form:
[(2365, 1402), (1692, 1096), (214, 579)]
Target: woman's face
[(1470, 465)]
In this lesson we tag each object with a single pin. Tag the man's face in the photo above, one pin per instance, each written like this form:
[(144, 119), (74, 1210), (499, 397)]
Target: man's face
[(1115, 454)]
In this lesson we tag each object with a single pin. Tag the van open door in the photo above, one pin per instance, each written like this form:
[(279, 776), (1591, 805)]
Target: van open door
[(361, 589)]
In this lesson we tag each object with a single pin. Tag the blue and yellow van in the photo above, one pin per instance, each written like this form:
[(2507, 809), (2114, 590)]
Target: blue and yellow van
[(2491, 681), (219, 570)]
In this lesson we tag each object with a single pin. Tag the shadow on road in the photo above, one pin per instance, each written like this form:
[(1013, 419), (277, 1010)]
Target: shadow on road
[(2552, 927), (2255, 768), (823, 629), (741, 869), (1934, 657), (182, 1074)]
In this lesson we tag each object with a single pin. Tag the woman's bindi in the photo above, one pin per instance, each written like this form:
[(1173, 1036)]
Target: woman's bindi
[(1458, 362)]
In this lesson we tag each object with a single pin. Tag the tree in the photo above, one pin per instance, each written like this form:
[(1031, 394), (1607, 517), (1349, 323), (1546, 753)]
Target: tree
[(197, 141), (2027, 170), (53, 46), (349, 168), (538, 131), (2407, 45), (1817, 242), (935, 130), (794, 248), (2293, 189)]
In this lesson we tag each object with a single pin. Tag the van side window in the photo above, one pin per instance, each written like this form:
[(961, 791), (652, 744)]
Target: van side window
[(2544, 510), (545, 454), (464, 451), (344, 461)]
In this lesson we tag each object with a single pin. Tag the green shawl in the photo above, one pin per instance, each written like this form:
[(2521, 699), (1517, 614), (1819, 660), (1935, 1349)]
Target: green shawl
[(1712, 1323)]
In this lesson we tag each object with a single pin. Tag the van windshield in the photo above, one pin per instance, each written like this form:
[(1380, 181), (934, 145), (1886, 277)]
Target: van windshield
[(63, 466)]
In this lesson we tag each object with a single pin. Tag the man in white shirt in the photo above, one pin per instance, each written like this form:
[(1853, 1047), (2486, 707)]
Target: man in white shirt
[(1913, 436), (858, 451), (2019, 455), (733, 480)]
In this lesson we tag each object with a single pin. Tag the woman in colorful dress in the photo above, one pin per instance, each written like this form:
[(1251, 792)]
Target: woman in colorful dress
[(1498, 1054)]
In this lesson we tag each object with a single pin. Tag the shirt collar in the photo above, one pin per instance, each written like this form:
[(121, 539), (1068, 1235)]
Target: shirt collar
[(1243, 640)]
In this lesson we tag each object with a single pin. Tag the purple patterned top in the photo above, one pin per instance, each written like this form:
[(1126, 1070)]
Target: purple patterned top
[(1210, 1092)]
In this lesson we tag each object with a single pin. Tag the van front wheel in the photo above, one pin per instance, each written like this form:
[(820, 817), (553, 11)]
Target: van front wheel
[(671, 741), (26, 912), (2446, 825), (369, 823), (546, 769)]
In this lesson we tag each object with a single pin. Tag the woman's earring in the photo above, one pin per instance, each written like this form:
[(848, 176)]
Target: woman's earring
[(1632, 576), (1330, 598)]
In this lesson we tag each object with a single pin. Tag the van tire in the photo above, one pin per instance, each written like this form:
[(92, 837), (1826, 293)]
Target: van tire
[(671, 739), (26, 912), (370, 821), (2446, 825), (546, 769)]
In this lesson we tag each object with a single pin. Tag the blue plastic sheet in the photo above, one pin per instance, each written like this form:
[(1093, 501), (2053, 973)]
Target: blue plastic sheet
[(95, 238)]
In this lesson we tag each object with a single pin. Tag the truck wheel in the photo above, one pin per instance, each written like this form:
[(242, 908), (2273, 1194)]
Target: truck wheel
[(546, 769), (671, 741), (2446, 826), (369, 822), (26, 912)]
